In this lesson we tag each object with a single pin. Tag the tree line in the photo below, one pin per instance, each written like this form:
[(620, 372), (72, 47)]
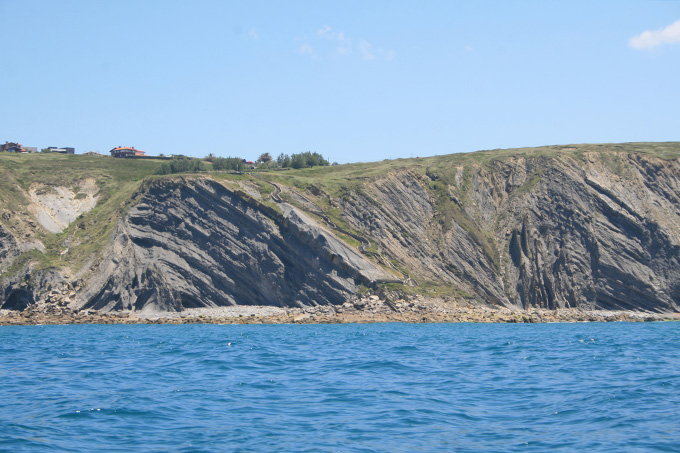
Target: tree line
[(183, 164), (301, 160)]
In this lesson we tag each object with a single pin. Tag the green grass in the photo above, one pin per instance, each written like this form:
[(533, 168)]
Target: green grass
[(66, 170), (613, 162), (428, 288), (335, 179), (533, 179)]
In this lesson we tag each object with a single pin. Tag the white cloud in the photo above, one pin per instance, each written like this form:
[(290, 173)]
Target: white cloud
[(324, 32), (366, 51), (345, 45), (252, 33), (327, 33), (342, 50), (306, 49), (650, 39)]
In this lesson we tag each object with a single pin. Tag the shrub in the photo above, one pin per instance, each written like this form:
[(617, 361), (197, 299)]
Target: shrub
[(181, 165), (228, 163)]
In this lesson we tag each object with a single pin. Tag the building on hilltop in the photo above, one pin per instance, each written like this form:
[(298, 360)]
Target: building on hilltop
[(127, 151), (65, 150), (11, 147)]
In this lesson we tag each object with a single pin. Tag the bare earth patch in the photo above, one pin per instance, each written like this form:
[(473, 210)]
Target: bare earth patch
[(55, 207)]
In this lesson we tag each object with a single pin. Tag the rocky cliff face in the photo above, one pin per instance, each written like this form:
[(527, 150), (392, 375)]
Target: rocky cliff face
[(596, 230), (193, 243), (8, 248)]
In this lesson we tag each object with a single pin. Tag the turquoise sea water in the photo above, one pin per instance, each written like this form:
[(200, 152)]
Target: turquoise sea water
[(385, 387)]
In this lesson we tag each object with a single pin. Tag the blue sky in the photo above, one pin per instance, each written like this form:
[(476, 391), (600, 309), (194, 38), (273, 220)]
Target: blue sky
[(352, 80)]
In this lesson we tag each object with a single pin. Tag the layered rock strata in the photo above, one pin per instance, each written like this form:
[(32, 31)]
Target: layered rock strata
[(194, 243), (590, 231), (535, 232)]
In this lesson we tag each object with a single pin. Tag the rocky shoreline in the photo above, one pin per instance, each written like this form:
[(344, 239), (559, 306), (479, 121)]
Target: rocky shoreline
[(365, 310)]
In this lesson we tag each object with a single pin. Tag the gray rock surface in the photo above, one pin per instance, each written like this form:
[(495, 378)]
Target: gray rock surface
[(193, 243), (537, 232), (9, 249)]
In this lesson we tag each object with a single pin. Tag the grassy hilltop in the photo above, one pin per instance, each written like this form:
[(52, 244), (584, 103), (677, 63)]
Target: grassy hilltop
[(337, 177)]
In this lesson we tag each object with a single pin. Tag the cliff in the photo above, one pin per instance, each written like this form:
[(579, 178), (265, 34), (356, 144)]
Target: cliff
[(191, 242), (581, 226)]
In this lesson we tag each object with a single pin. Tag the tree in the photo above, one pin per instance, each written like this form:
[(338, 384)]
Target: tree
[(315, 159), (228, 163), (301, 160), (181, 165), (264, 158), (283, 160), (298, 161)]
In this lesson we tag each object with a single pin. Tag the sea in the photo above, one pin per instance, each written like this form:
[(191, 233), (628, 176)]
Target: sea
[(594, 387)]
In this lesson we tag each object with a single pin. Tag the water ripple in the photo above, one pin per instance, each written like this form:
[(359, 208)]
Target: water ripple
[(394, 387)]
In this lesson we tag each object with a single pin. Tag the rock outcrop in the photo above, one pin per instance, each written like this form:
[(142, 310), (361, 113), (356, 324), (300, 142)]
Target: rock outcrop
[(193, 243), (9, 248), (536, 232)]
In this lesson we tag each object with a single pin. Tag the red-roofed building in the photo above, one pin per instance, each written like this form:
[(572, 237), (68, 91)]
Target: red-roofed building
[(127, 151), (11, 147)]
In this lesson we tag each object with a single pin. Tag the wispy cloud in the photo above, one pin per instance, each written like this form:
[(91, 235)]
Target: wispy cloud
[(650, 39), (368, 52), (252, 34), (346, 46), (327, 33), (306, 49)]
